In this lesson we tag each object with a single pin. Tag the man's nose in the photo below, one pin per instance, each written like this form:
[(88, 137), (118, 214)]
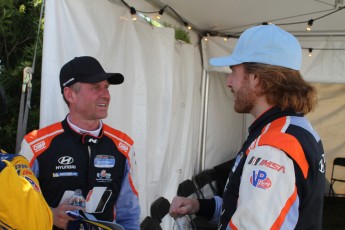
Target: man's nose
[(105, 93)]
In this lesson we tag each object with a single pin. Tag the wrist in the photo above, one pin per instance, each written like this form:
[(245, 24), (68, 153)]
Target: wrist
[(206, 208)]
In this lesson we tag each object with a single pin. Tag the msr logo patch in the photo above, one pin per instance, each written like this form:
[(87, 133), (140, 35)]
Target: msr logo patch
[(260, 180)]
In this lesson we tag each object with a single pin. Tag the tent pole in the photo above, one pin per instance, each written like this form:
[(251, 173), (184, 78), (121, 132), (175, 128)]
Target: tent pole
[(203, 121)]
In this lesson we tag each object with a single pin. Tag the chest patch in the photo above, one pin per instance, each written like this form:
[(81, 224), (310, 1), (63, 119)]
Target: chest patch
[(104, 161)]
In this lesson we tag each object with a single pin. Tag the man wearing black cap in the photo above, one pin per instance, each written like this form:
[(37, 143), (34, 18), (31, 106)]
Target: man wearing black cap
[(82, 152)]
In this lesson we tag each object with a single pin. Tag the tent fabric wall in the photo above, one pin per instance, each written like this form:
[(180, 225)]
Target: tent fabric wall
[(158, 105), (225, 129), (224, 126), (329, 120), (327, 63), (325, 70)]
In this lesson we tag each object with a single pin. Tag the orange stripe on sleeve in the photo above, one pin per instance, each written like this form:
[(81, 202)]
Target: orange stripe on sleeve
[(132, 185), (280, 220), (232, 226)]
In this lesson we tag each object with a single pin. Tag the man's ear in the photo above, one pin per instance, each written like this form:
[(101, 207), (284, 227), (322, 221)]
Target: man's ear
[(254, 80), (69, 94)]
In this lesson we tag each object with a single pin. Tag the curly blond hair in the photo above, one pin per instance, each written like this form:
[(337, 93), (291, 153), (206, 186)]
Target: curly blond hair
[(284, 87)]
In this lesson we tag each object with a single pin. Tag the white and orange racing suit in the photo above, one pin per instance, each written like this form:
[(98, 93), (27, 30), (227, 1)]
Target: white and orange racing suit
[(277, 181)]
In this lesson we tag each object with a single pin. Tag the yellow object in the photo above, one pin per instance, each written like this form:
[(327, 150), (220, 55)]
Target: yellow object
[(22, 205)]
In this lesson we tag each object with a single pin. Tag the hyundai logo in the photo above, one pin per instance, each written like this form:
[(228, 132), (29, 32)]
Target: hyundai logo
[(66, 160)]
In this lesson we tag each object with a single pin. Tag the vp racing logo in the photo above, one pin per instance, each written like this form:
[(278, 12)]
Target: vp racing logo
[(260, 180)]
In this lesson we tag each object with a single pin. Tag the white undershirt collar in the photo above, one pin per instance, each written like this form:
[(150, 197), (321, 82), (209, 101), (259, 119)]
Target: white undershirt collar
[(83, 131)]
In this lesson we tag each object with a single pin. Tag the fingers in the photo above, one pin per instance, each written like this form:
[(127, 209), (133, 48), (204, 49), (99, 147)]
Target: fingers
[(60, 217), (181, 206)]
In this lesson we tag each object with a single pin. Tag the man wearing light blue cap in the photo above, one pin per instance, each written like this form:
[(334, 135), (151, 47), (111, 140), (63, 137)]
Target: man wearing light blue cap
[(278, 178)]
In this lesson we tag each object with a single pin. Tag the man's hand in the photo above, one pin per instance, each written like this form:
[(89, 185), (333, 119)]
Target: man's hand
[(60, 217), (181, 206)]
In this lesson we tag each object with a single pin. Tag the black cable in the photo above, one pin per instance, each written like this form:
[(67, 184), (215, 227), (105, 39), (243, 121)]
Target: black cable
[(277, 19), (322, 48), (236, 34)]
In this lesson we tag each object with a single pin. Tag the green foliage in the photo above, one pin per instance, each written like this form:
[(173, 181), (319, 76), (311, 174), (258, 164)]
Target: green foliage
[(19, 20), (180, 34)]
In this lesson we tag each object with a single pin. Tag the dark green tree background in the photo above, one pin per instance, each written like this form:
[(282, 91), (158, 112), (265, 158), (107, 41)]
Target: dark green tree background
[(19, 22)]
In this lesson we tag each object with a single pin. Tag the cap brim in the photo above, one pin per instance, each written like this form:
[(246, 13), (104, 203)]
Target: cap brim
[(113, 78), (224, 61)]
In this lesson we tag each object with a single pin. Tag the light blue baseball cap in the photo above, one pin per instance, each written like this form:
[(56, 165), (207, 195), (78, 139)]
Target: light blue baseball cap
[(267, 44)]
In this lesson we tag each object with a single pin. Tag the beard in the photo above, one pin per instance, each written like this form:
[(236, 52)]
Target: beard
[(244, 98)]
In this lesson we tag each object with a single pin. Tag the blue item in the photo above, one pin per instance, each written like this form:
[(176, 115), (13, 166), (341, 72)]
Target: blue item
[(267, 44)]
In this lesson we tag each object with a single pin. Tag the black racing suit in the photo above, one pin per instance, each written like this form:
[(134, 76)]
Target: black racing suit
[(64, 160)]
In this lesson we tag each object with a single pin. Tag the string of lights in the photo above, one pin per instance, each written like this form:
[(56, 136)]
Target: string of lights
[(160, 13), (278, 19), (220, 33), (310, 50)]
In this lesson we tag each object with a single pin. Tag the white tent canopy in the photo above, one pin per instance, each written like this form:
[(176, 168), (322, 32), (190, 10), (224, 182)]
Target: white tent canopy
[(161, 103)]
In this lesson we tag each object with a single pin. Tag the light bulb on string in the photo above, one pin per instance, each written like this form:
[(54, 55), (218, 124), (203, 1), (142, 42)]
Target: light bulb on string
[(160, 13), (133, 13), (187, 25), (206, 37), (310, 23), (310, 52)]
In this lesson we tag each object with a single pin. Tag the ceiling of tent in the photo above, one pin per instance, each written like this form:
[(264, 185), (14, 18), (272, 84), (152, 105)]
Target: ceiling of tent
[(231, 17)]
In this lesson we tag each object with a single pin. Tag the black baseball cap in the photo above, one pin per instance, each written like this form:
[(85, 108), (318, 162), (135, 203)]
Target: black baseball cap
[(86, 69)]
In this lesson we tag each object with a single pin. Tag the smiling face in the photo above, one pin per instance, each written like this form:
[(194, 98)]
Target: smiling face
[(88, 103)]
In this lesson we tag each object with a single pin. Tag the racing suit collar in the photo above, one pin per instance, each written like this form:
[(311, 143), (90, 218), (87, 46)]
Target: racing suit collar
[(270, 115), (84, 138)]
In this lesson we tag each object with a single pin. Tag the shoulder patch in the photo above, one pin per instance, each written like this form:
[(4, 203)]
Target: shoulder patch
[(39, 140), (123, 141), (274, 136)]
